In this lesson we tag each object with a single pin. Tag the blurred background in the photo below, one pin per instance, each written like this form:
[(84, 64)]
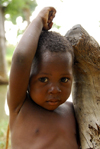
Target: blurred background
[(16, 15)]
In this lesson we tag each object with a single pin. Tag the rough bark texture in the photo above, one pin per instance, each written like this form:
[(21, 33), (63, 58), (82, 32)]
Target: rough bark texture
[(3, 71), (86, 86)]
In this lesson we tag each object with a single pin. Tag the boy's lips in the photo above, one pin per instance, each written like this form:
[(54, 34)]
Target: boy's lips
[(53, 101)]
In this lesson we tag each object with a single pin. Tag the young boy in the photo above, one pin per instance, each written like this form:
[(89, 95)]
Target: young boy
[(39, 84)]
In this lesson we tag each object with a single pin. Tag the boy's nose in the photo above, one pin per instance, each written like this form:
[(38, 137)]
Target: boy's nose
[(54, 89)]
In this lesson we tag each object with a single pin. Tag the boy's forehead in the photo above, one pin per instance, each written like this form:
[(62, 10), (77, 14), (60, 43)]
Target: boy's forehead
[(53, 60), (60, 63), (56, 55)]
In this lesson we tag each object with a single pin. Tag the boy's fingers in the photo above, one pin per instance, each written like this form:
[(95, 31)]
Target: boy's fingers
[(50, 19), (51, 9), (50, 24), (51, 14)]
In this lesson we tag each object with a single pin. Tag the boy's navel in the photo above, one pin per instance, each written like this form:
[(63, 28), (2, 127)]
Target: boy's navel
[(37, 131)]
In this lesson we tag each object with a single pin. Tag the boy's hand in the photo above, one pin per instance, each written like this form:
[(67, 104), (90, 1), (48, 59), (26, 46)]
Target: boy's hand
[(47, 14)]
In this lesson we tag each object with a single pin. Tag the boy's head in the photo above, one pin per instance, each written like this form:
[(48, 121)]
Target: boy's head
[(53, 42), (51, 72)]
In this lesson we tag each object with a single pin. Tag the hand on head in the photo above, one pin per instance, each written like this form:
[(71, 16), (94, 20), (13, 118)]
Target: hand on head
[(47, 14)]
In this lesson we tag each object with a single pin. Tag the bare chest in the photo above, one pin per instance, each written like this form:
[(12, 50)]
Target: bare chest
[(40, 128)]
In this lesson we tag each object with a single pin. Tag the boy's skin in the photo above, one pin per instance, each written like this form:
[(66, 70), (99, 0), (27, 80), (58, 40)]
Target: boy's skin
[(44, 121)]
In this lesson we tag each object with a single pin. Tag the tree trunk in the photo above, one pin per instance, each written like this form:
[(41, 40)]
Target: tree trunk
[(86, 86), (3, 71)]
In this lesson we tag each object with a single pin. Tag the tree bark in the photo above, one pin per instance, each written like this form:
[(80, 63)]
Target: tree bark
[(3, 66), (86, 86)]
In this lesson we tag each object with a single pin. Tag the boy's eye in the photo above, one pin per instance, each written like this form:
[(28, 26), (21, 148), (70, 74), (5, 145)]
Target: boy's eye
[(64, 79), (43, 79)]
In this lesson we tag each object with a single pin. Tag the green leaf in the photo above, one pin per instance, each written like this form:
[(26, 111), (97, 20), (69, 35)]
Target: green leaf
[(17, 8)]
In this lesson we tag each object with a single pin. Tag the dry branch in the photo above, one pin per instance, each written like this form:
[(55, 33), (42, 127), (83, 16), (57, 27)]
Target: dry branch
[(86, 86)]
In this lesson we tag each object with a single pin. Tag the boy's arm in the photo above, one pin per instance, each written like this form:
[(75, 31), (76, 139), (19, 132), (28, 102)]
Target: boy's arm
[(23, 56)]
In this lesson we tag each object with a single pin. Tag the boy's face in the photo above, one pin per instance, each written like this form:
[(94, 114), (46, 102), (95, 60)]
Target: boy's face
[(50, 85)]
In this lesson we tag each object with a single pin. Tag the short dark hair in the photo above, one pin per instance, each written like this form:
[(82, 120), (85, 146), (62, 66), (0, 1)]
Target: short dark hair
[(53, 42)]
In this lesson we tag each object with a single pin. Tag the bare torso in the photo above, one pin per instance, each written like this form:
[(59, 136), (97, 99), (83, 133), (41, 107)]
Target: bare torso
[(36, 128)]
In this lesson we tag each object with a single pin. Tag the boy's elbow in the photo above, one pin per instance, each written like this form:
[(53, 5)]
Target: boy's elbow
[(19, 58)]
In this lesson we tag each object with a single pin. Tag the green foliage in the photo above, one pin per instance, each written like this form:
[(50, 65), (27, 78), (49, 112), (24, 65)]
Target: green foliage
[(2, 2), (18, 8), (20, 32), (56, 26), (9, 53), (3, 133)]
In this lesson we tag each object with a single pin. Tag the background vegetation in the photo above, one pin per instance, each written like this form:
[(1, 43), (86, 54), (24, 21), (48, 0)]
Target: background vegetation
[(3, 134)]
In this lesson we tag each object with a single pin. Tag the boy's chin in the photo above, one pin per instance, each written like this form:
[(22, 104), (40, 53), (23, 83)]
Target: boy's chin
[(50, 108)]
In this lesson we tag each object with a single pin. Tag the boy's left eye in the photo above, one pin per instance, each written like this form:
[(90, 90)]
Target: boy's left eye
[(64, 79), (43, 79)]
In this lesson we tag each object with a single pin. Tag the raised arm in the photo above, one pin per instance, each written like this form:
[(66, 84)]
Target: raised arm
[(23, 56)]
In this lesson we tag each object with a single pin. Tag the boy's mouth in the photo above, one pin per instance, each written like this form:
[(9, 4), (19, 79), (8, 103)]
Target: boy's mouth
[(53, 101)]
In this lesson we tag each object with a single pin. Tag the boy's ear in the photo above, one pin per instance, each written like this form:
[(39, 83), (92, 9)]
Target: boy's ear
[(28, 89)]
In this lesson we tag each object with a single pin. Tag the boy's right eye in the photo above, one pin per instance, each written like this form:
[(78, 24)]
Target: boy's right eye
[(43, 79)]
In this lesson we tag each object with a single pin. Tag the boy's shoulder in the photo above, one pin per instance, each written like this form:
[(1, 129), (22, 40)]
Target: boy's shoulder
[(67, 105), (66, 108)]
